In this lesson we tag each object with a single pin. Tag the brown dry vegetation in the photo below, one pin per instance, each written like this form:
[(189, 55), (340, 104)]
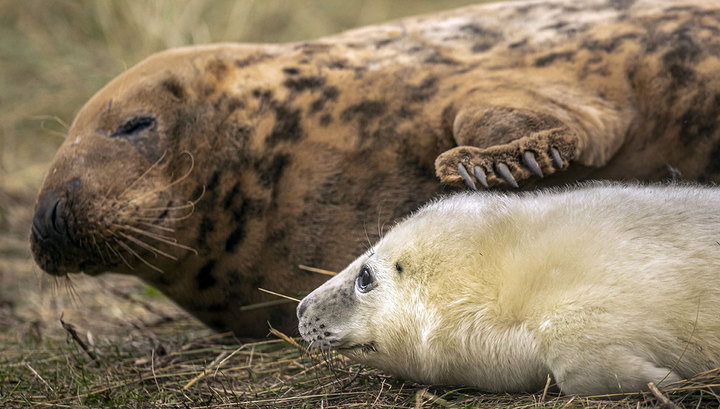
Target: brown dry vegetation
[(124, 344)]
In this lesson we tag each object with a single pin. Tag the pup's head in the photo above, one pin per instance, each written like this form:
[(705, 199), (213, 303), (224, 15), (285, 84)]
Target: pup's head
[(389, 308)]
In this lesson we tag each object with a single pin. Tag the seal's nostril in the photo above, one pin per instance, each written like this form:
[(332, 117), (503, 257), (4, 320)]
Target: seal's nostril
[(53, 216), (37, 235), (57, 219), (50, 219), (52, 238), (42, 225), (301, 308)]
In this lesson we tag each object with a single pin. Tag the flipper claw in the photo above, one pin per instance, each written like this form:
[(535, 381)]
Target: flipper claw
[(480, 176), (531, 163), (504, 172), (556, 157), (466, 177)]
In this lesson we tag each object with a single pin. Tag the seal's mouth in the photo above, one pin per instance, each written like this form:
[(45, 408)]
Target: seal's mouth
[(365, 348), (125, 226), (91, 269), (61, 239)]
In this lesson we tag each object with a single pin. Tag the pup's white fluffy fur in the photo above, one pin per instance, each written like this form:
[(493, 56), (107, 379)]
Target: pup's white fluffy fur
[(605, 287)]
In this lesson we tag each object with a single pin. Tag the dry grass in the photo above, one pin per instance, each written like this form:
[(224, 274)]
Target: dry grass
[(129, 346), (158, 365)]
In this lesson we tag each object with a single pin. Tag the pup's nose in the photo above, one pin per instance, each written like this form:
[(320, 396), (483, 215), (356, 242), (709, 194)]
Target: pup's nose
[(301, 308)]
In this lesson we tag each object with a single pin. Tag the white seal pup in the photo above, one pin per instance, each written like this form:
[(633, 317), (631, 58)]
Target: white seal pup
[(605, 287)]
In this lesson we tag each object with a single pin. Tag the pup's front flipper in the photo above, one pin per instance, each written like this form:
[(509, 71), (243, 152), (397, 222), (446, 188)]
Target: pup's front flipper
[(515, 138), (610, 371)]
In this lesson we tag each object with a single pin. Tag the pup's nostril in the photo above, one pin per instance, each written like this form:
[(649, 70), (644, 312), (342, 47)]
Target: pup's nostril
[(301, 308)]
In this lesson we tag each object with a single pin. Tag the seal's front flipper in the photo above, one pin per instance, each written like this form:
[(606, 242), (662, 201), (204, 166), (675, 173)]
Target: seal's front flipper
[(517, 137), (535, 156), (611, 374)]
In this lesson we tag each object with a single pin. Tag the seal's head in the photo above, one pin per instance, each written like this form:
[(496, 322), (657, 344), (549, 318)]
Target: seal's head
[(122, 180), (407, 305)]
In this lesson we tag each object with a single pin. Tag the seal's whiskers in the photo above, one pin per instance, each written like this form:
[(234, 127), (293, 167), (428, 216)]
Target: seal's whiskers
[(170, 219), (171, 184), (164, 239), (117, 253), (110, 255), (97, 250), (71, 290), (138, 256), (143, 174), (369, 244), (167, 239), (55, 285), (147, 246), (155, 226), (189, 205)]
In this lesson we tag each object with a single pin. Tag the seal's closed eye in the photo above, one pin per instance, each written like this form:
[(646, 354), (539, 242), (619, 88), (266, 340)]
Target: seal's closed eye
[(134, 126)]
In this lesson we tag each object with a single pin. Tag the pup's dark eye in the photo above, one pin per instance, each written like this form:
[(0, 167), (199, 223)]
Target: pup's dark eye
[(365, 280), (399, 268), (134, 125)]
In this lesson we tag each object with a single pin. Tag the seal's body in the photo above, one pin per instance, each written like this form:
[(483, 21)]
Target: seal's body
[(605, 288), (211, 171)]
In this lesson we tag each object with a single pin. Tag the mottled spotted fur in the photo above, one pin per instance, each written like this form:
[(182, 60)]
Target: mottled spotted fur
[(297, 151)]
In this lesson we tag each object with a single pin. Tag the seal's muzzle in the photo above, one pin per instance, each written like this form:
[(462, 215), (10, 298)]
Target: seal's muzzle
[(51, 241)]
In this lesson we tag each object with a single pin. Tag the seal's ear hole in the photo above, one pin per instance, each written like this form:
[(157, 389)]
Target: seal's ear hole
[(365, 281), (398, 267), (134, 126), (173, 86)]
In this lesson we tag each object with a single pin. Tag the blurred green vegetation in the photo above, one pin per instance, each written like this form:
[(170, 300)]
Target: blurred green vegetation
[(54, 54)]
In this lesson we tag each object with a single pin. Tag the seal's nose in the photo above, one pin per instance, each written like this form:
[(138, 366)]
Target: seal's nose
[(49, 225), (49, 220), (301, 308), (53, 240)]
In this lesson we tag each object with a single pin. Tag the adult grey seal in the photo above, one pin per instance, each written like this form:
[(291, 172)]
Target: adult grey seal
[(211, 171)]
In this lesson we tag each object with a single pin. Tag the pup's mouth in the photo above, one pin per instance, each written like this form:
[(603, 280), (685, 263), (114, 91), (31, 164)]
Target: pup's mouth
[(365, 348)]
